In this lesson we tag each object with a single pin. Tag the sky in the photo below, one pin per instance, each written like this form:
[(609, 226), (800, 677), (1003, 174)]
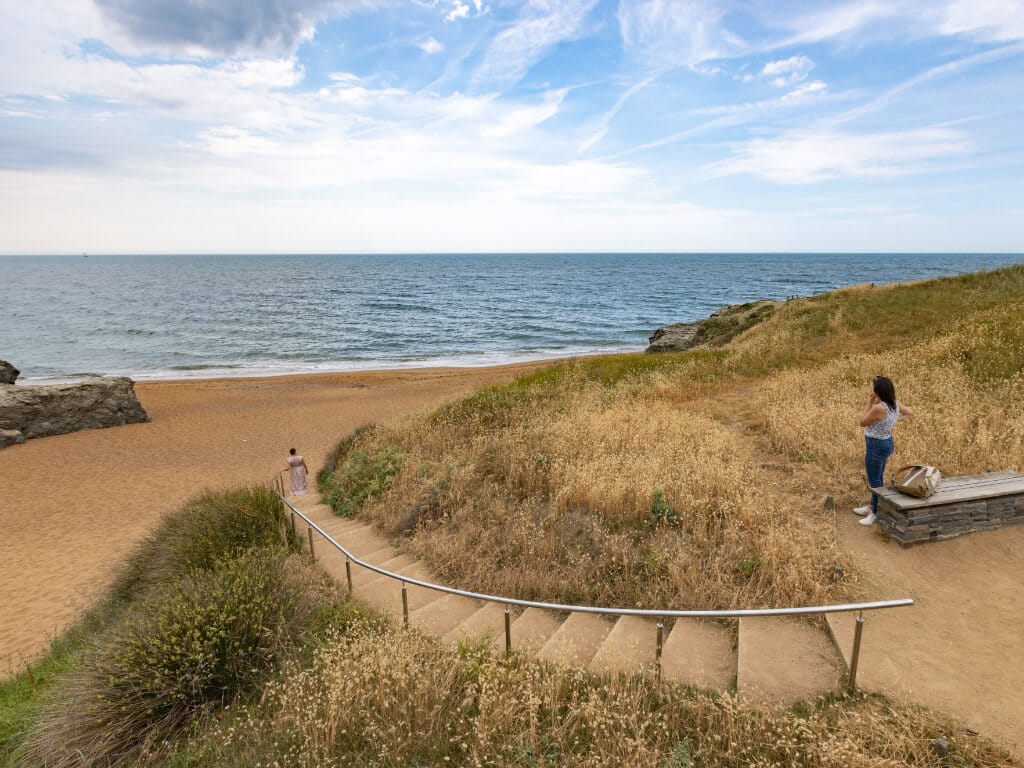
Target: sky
[(364, 126)]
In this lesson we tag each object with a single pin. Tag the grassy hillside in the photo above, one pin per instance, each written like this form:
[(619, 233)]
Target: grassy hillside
[(696, 480)]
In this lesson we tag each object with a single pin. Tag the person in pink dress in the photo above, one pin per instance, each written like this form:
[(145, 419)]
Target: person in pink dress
[(297, 471)]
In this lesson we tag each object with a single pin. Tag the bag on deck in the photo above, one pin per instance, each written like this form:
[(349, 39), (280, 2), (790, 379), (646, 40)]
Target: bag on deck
[(918, 480)]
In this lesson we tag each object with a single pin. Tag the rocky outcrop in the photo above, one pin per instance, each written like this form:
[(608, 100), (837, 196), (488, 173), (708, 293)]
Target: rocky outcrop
[(43, 410), (715, 331), (8, 373)]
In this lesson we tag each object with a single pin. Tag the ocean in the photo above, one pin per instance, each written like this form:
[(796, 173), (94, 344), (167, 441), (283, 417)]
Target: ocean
[(169, 317)]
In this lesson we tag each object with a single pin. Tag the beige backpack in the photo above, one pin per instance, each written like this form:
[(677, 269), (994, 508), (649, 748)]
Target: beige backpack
[(918, 480)]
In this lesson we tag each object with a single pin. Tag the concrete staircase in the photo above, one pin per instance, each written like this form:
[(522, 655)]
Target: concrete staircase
[(764, 659)]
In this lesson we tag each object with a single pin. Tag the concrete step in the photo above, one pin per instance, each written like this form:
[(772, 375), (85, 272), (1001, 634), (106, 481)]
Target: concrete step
[(441, 616), (699, 652), (488, 621), (359, 541), (576, 641), (385, 593), (784, 660), (334, 562), (531, 629), (876, 669), (629, 647), (304, 502), (337, 527), (362, 576)]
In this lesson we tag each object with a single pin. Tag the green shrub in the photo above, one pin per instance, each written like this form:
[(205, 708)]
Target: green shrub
[(662, 511), (337, 454), (203, 531), (363, 476), (187, 649)]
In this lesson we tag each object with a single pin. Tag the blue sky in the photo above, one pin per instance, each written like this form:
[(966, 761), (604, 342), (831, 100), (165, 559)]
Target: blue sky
[(546, 125)]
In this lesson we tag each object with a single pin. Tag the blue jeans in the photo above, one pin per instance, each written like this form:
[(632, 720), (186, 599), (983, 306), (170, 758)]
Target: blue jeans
[(878, 452)]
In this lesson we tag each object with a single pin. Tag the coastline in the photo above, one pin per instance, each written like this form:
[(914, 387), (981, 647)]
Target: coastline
[(76, 503), (482, 361)]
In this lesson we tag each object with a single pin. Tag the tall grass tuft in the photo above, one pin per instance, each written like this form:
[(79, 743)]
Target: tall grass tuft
[(185, 650), (203, 531)]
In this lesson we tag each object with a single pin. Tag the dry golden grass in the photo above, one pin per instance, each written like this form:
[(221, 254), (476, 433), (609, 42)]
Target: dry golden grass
[(556, 504), (966, 400), (396, 698), (548, 489)]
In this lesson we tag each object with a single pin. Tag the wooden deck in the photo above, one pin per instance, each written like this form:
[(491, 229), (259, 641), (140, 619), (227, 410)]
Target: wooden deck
[(961, 505)]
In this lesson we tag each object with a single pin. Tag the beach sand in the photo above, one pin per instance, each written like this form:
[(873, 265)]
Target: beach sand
[(73, 505)]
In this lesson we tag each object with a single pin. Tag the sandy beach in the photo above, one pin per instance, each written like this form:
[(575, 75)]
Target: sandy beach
[(73, 505)]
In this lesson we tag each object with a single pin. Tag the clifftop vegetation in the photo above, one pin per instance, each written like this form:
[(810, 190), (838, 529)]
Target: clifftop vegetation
[(696, 479)]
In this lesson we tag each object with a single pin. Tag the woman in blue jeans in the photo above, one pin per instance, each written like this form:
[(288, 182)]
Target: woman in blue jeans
[(878, 419)]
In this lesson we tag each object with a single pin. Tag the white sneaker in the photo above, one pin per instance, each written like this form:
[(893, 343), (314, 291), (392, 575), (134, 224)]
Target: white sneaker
[(869, 520), (865, 510)]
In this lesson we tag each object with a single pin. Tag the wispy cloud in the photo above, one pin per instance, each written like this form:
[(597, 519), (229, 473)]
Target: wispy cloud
[(599, 129), (678, 33), (430, 46), (542, 25), (784, 72), (807, 158), (995, 20)]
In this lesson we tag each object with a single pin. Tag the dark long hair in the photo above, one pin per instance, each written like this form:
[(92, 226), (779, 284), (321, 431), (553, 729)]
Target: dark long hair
[(885, 390)]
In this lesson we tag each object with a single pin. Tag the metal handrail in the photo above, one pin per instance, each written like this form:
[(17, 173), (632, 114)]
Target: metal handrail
[(648, 612)]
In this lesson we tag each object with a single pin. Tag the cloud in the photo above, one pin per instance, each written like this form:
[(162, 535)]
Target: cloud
[(784, 72), (523, 118), (982, 20), (599, 129), (991, 20), (430, 46), (666, 33), (224, 27), (542, 25), (810, 157)]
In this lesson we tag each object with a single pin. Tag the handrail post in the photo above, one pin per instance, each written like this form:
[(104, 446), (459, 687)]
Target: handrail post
[(855, 657), (348, 573), (312, 554), (658, 647), (405, 605), (294, 535), (508, 629)]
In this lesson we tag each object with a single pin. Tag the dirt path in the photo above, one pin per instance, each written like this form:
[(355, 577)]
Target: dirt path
[(72, 505), (960, 648)]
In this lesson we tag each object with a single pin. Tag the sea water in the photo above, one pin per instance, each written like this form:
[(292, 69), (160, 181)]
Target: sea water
[(177, 316)]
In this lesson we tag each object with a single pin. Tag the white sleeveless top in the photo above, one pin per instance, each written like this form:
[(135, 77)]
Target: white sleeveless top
[(882, 428)]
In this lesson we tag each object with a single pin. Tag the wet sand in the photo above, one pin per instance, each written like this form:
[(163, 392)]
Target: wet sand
[(71, 506)]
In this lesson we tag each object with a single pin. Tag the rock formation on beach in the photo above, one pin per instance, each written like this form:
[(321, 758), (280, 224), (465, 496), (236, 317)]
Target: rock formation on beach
[(29, 411), (8, 373), (714, 331)]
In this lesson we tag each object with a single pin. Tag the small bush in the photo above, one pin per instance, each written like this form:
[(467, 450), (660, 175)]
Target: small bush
[(364, 475), (338, 453), (186, 650), (205, 530), (662, 511)]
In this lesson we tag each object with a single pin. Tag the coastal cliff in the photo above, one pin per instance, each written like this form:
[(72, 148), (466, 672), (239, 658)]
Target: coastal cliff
[(718, 329), (29, 411)]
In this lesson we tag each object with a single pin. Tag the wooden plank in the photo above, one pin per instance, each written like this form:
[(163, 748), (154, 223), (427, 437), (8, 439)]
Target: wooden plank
[(954, 490)]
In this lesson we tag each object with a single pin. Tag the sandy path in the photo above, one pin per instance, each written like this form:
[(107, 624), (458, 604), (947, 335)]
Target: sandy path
[(72, 505), (960, 648)]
